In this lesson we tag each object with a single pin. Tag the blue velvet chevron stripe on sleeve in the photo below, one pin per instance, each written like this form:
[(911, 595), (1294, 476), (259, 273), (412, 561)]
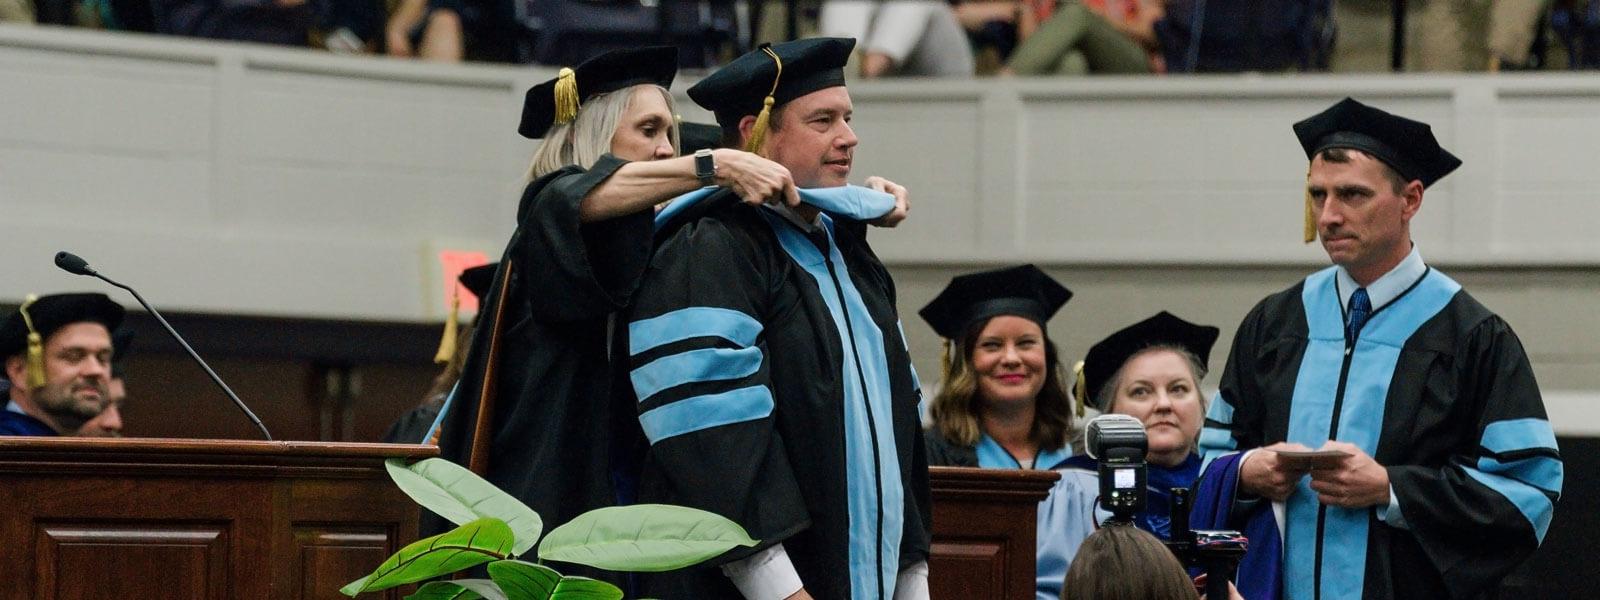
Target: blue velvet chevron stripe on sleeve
[(1521, 462), (693, 365)]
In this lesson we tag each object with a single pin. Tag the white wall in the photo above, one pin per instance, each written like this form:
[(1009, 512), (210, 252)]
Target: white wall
[(246, 179)]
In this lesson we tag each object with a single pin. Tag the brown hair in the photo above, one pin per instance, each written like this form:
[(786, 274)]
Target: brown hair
[(955, 409), (1342, 156), (732, 138), (1123, 562)]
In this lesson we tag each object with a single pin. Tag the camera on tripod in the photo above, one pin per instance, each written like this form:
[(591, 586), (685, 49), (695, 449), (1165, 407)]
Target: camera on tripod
[(1119, 444)]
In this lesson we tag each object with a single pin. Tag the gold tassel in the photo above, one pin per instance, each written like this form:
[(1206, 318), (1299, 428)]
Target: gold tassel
[(758, 132), (447, 344), (1080, 388), (35, 375), (566, 96), (1311, 212)]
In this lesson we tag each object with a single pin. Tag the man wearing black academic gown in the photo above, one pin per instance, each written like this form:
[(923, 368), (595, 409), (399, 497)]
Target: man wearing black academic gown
[(1452, 472), (57, 354), (772, 377)]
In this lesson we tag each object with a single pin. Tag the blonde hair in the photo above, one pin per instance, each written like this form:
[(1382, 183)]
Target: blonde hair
[(587, 137), (1123, 562), (1107, 398), (955, 408)]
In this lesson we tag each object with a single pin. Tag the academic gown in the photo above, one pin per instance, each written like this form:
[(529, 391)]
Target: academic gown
[(775, 388), (1064, 518), (15, 423), (562, 441), (1437, 389)]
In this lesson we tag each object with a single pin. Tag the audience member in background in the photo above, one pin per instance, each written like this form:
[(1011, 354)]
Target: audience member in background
[(1151, 371), (901, 37), (1119, 562), (16, 11), (1093, 36), (109, 422), (1003, 403), (57, 353), (1441, 35), (417, 29), (551, 430), (283, 22)]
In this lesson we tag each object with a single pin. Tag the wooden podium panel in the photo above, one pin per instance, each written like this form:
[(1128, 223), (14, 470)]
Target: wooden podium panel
[(92, 519), (984, 532)]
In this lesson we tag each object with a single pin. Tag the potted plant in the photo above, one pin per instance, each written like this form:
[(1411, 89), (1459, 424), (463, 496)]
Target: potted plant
[(495, 529)]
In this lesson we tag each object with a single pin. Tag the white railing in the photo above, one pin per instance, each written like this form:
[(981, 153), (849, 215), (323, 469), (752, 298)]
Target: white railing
[(275, 181)]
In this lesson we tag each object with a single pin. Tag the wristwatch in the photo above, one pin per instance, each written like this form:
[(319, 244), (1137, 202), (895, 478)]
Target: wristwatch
[(705, 166)]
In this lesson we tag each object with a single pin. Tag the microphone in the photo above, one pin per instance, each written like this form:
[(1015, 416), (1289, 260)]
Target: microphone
[(75, 265)]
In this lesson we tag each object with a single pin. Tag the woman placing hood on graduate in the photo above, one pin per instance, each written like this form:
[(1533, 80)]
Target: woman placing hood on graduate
[(536, 411)]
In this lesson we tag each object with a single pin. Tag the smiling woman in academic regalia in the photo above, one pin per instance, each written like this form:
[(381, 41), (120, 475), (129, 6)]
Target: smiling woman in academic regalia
[(1003, 403)]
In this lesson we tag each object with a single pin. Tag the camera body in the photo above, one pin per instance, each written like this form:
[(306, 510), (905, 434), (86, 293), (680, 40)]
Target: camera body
[(1119, 444)]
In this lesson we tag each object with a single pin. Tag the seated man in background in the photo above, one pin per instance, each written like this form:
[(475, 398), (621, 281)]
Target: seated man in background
[(109, 422), (57, 353)]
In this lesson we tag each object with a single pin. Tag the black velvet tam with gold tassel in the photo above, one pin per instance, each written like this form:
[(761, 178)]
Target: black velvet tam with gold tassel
[(28, 329), (781, 72), (557, 101)]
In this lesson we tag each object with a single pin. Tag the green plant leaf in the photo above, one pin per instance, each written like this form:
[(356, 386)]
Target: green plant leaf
[(459, 589), (457, 494), (472, 544), (584, 588), (524, 580), (643, 537)]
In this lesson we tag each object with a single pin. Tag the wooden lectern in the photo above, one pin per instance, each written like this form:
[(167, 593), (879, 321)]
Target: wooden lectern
[(984, 532), (203, 519)]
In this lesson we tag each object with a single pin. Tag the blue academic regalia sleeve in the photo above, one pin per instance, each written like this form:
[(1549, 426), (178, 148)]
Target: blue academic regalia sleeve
[(1488, 509), (1260, 574), (574, 270), (699, 366)]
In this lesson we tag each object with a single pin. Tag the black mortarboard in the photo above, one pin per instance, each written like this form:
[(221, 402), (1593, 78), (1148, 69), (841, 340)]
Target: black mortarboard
[(557, 100), (49, 313), (478, 279), (782, 71), (1024, 291), (1405, 145), (1108, 355), (698, 136)]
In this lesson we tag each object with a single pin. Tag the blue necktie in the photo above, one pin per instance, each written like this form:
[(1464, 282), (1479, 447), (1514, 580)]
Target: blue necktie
[(1360, 308)]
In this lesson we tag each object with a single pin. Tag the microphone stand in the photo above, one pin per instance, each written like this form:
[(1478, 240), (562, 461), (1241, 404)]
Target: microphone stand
[(192, 354)]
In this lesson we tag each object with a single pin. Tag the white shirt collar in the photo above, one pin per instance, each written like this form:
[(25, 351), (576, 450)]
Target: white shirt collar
[(1386, 288), (13, 407)]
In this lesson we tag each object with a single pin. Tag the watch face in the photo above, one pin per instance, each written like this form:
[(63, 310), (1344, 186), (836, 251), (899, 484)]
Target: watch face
[(705, 167)]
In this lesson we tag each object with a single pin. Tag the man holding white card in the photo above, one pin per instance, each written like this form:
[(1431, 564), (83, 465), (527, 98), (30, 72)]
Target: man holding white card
[(1392, 419)]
